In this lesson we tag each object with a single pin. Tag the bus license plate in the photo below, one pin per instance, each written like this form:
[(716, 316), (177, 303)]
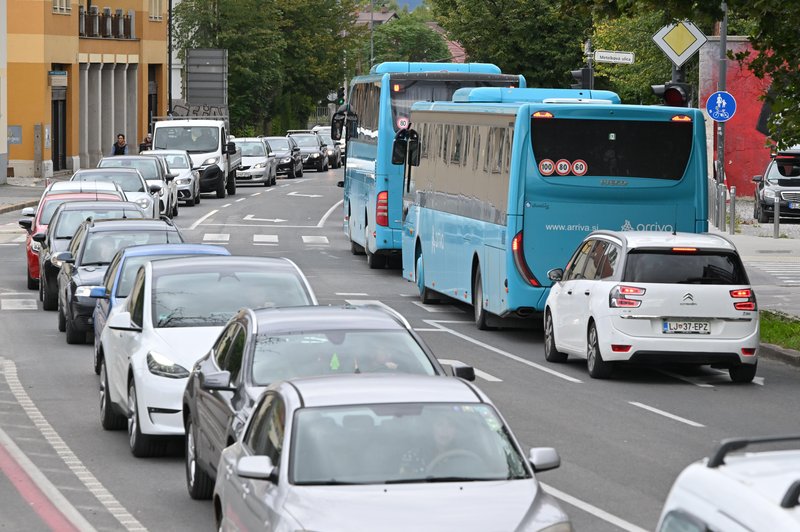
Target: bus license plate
[(686, 327), (794, 205)]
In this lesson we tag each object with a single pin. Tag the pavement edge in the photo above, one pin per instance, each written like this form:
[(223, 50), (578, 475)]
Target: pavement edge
[(776, 352), (17, 206)]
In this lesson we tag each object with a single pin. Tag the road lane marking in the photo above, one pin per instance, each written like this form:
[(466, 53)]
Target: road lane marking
[(20, 239), (591, 509), (351, 294), (125, 518), (316, 240), (226, 205), (327, 214), (203, 219), (705, 381), (265, 239), (256, 194), (438, 324), (240, 199), (690, 380), (436, 308), (366, 302), (18, 304), (666, 414), (478, 373), (253, 218), (216, 237)]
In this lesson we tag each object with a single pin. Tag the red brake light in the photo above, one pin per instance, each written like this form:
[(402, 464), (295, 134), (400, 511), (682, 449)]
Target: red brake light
[(519, 259), (618, 348), (684, 250), (748, 351), (618, 297), (382, 209), (542, 114), (681, 118), (745, 305), (744, 293), (631, 290)]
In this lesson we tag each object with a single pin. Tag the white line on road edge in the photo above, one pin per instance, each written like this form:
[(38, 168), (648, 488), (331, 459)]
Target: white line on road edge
[(352, 294), (109, 502), (327, 214), (226, 205), (203, 219), (45, 486), (666, 414), (591, 509), (436, 323), (242, 199)]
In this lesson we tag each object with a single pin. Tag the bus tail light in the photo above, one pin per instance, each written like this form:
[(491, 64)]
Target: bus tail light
[(681, 118), (620, 296), (542, 114), (745, 293), (382, 209), (519, 260)]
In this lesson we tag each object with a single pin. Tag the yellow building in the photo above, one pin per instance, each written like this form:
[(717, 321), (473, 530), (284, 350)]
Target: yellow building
[(78, 74)]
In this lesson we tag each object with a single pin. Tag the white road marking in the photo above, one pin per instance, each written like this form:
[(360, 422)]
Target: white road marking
[(363, 302), (240, 199), (591, 509), (436, 308), (327, 214), (216, 237), (295, 193), (666, 414), (265, 239), (691, 380), (438, 324), (18, 304), (255, 194), (708, 380), (226, 205), (478, 373), (20, 239), (351, 294), (317, 240), (253, 218), (425, 329), (8, 244), (203, 219)]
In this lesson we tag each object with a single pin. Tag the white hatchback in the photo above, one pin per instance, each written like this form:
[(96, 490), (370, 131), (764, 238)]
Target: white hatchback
[(653, 297)]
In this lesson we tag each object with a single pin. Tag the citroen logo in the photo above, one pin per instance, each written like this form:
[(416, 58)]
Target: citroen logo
[(688, 297)]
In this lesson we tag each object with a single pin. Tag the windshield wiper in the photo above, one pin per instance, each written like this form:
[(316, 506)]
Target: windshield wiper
[(332, 482), (184, 319)]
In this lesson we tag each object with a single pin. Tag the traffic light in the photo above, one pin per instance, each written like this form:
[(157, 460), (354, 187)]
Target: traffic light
[(583, 78), (340, 96), (674, 93)]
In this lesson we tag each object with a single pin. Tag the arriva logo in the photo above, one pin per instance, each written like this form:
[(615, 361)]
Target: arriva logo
[(628, 226)]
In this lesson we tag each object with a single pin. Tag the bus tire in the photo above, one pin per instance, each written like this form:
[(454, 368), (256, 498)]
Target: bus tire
[(477, 302), (425, 293), (551, 352)]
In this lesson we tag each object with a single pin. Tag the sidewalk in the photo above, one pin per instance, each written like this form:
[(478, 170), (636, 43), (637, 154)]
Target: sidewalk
[(19, 193)]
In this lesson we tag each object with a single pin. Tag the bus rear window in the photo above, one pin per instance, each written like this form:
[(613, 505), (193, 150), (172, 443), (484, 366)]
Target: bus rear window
[(612, 148), (666, 266)]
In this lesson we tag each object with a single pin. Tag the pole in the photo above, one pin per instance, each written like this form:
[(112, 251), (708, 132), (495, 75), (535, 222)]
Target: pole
[(169, 59), (587, 50), (732, 226), (371, 39), (721, 85)]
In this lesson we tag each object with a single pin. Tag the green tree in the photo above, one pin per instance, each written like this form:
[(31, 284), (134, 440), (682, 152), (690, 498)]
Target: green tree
[(409, 39)]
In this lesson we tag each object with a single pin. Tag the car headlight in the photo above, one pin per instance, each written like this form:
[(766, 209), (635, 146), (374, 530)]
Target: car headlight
[(143, 202), (83, 291), (183, 181), (286, 160), (36, 247), (769, 193), (162, 366), (210, 161), (330, 151), (259, 165), (314, 155)]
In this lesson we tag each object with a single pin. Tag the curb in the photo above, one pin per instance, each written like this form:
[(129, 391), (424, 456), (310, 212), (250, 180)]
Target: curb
[(18, 206), (776, 352)]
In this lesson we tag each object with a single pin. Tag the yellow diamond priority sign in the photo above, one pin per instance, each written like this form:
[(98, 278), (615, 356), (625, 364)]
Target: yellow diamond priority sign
[(680, 41)]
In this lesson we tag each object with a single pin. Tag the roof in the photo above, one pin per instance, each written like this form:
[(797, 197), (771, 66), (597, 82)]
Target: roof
[(377, 18), (173, 249), (665, 239), (164, 152), (324, 318), (222, 264), (105, 171), (181, 122), (142, 157), (101, 204), (382, 388), (106, 195), (248, 139), (80, 186), (143, 224)]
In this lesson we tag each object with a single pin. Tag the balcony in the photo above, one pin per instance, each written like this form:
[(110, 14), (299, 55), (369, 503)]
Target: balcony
[(103, 24)]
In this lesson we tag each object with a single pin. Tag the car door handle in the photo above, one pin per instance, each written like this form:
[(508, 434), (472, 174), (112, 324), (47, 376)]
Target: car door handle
[(569, 292), (586, 293), (245, 491)]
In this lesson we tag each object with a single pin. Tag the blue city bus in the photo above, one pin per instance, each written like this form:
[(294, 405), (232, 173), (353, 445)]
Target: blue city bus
[(500, 186), (378, 106)]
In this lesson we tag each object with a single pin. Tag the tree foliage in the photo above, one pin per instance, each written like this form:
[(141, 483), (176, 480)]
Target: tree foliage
[(409, 39)]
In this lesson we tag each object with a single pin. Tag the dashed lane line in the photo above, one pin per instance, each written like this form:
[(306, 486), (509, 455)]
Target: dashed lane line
[(666, 414), (591, 509)]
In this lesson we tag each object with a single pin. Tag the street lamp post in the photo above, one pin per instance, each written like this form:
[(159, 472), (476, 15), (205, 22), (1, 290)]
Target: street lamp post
[(169, 59)]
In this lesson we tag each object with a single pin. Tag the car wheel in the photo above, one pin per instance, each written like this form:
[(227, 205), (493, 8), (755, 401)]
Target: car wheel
[(743, 373), (762, 216), (74, 336), (41, 284), (598, 368), (221, 188), (49, 296), (62, 320), (300, 172), (425, 293), (477, 302), (551, 353), (190, 202), (231, 185), (355, 249), (33, 284), (109, 419), (197, 197), (141, 445), (198, 482)]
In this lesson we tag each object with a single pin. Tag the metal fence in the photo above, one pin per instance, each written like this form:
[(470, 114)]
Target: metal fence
[(322, 116)]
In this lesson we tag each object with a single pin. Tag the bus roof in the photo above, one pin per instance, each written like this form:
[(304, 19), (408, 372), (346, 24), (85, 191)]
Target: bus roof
[(506, 95), (405, 66)]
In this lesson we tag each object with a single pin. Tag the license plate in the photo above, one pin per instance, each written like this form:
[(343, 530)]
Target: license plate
[(686, 327), (794, 205)]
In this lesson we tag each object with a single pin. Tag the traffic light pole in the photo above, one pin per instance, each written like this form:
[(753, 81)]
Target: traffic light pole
[(721, 85)]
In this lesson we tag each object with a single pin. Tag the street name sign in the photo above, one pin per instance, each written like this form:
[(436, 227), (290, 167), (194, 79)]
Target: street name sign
[(607, 56), (679, 41)]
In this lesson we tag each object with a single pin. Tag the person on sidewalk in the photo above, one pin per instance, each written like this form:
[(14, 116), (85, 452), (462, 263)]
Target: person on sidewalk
[(120, 147), (147, 143)]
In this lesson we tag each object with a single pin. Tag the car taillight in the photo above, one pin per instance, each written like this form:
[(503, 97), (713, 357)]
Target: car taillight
[(382, 209), (744, 293), (619, 296), (620, 348), (519, 259)]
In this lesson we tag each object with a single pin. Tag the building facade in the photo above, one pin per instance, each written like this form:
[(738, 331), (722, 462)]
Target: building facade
[(78, 74)]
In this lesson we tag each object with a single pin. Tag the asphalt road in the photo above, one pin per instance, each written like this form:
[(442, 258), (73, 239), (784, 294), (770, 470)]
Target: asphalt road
[(622, 442)]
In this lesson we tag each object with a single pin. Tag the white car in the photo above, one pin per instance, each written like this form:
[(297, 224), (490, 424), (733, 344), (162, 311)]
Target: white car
[(175, 311), (653, 297), (742, 492), (130, 181), (259, 164), (155, 171), (187, 182)]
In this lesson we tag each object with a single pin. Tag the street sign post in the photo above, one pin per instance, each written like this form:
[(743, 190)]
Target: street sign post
[(679, 41), (607, 56), (721, 106)]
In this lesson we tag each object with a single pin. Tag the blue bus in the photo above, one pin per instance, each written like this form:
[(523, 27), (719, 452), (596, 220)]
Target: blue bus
[(378, 106), (501, 185)]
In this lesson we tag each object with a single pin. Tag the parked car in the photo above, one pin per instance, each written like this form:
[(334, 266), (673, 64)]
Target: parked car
[(66, 220), (737, 492), (259, 347), (84, 264), (130, 181), (382, 452), (175, 311), (287, 153), (154, 172), (187, 183), (36, 220), (333, 151), (782, 180), (312, 148), (653, 297), (259, 164), (120, 274)]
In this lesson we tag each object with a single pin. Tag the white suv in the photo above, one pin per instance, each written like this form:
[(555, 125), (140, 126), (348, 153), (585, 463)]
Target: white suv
[(653, 297), (743, 492)]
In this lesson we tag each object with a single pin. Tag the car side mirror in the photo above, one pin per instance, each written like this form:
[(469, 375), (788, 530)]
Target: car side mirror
[(122, 322), (757, 179), (337, 123), (230, 148), (169, 177), (62, 257), (218, 380), (544, 459), (39, 237), (257, 467), (155, 188), (26, 223), (340, 184), (463, 371), (28, 211), (98, 292), (555, 274), (271, 154), (295, 149)]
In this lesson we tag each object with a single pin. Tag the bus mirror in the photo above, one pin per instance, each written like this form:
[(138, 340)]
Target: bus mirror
[(399, 147), (352, 125), (337, 123), (413, 151)]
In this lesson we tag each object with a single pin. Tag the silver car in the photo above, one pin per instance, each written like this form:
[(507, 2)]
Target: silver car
[(187, 182), (367, 452), (130, 181), (259, 164)]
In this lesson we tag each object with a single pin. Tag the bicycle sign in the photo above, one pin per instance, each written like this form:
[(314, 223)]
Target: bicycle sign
[(721, 106)]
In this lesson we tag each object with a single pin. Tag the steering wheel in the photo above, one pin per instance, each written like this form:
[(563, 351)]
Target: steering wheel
[(451, 454)]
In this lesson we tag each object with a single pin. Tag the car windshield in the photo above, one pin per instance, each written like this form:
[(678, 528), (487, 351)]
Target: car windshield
[(49, 209), (177, 162), (251, 149), (302, 354), (666, 266), (193, 139), (278, 144), (129, 268), (784, 169), (402, 443), (306, 141), (128, 182), (327, 139), (147, 167), (101, 246), (68, 221), (208, 299)]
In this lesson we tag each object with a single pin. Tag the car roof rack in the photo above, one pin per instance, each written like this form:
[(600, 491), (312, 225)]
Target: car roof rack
[(734, 444)]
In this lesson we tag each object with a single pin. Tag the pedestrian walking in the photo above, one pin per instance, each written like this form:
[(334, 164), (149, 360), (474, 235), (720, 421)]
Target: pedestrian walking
[(147, 143), (120, 147)]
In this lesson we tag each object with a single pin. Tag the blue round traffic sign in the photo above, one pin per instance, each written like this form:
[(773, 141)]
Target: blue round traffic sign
[(721, 106)]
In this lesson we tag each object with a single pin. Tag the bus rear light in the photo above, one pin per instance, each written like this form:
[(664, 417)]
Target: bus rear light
[(748, 351), (542, 114), (382, 209), (681, 118), (519, 259), (618, 297), (619, 348), (744, 293)]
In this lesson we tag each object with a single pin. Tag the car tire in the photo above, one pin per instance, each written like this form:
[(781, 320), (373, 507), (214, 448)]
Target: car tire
[(762, 216), (425, 293), (231, 184), (300, 172), (198, 482), (141, 445), (221, 188), (49, 297), (190, 202), (551, 352), (743, 373), (33, 284), (598, 368), (41, 284), (74, 336), (197, 197), (480, 314), (62, 320), (109, 419)]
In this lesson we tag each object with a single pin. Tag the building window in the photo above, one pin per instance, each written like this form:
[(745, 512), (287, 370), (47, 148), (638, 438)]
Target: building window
[(156, 9), (61, 6)]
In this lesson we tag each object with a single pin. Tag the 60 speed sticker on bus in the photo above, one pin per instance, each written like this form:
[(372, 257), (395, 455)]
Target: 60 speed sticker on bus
[(579, 167), (546, 167)]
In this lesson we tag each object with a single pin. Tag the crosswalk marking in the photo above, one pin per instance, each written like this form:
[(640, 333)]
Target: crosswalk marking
[(265, 239), (18, 304), (786, 273), (19, 239), (317, 240), (436, 308), (216, 237)]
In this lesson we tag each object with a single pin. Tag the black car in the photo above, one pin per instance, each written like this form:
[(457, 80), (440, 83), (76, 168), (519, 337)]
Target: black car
[(290, 160), (781, 180), (259, 347), (332, 148), (84, 264), (313, 149), (63, 224)]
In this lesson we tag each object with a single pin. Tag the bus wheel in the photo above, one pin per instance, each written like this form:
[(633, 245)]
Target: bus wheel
[(477, 302), (375, 262), (355, 249), (425, 293)]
